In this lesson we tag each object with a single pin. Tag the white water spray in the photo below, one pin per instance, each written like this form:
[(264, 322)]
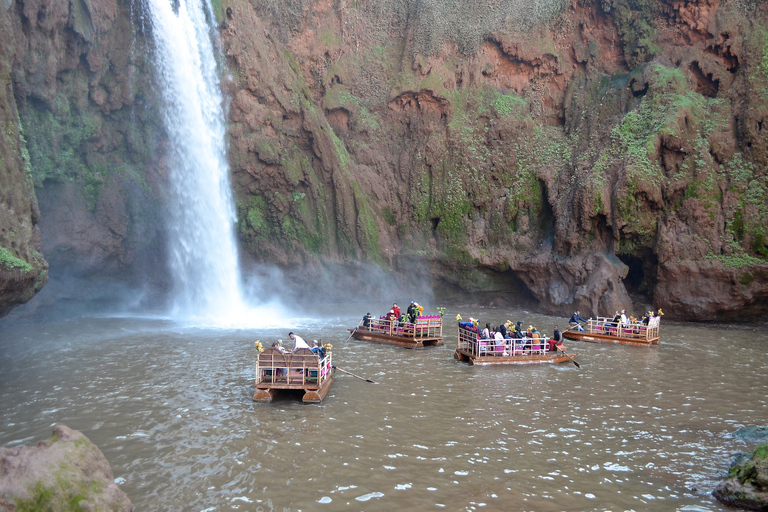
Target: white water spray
[(207, 285)]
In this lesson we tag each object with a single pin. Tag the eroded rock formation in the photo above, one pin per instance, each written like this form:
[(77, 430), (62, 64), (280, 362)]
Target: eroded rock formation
[(571, 154)]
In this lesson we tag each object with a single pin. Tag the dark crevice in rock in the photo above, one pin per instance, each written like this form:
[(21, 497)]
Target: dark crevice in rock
[(705, 84)]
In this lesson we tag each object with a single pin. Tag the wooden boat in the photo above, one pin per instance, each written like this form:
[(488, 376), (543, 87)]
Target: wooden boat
[(603, 330), (508, 351), (301, 370), (426, 331)]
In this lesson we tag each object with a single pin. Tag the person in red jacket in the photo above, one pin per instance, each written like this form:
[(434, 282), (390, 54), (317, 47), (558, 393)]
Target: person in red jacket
[(396, 309)]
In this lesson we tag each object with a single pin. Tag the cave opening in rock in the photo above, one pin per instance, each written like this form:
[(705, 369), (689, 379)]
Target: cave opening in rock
[(435, 223), (546, 217), (641, 276)]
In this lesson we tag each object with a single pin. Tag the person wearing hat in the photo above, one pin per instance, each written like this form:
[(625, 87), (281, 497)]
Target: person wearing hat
[(298, 342), (410, 309), (367, 320), (413, 312)]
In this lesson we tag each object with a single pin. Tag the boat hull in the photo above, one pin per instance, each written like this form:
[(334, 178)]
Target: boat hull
[(607, 338), (548, 358), (402, 341), (266, 392)]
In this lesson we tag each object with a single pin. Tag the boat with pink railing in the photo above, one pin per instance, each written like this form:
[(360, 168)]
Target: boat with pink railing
[(426, 330)]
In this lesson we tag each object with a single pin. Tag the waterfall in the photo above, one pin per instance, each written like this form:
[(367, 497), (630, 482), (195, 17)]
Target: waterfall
[(203, 251)]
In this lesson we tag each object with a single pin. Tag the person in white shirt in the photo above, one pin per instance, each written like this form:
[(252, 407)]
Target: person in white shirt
[(624, 319), (298, 342)]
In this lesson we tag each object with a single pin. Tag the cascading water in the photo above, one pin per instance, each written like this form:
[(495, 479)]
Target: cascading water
[(203, 251)]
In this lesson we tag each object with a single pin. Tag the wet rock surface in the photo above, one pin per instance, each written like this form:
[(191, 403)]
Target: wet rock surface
[(65, 472), (746, 486)]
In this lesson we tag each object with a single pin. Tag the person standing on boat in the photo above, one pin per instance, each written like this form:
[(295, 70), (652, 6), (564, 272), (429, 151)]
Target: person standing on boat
[(367, 320), (396, 309), (575, 319), (298, 342), (410, 312), (624, 319), (519, 336)]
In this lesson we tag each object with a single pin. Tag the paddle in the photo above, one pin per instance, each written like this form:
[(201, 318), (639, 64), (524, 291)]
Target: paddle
[(566, 355), (352, 374)]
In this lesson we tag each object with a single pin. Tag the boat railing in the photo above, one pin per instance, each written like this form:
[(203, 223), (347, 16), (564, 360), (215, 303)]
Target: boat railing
[(472, 345), (300, 368), (632, 330), (429, 326)]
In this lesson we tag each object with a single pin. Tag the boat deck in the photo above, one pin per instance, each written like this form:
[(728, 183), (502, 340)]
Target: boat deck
[(507, 351), (426, 331), (301, 370), (602, 330)]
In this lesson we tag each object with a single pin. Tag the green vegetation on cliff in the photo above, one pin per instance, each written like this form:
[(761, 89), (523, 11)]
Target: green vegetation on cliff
[(634, 23), (10, 262)]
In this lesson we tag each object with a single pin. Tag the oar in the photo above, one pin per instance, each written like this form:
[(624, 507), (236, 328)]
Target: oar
[(352, 374), (566, 355)]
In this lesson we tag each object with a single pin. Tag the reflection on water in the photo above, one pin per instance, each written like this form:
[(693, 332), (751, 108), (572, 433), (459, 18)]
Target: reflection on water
[(170, 406)]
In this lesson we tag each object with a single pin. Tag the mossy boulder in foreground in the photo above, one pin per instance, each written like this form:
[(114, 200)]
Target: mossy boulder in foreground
[(66, 473), (747, 482)]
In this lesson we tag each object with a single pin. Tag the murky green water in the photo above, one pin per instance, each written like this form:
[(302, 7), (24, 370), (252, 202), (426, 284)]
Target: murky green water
[(170, 406)]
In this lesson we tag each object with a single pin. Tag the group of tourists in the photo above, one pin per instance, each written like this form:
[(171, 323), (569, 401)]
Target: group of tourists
[(299, 343), (396, 316), (524, 340), (618, 320)]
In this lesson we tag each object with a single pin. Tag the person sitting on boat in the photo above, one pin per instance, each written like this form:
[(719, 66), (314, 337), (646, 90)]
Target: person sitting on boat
[(624, 319), (535, 337), (616, 319), (396, 309), (318, 349), (486, 334), (278, 345), (298, 342), (575, 319), (500, 343), (556, 341), (390, 316), (503, 330)]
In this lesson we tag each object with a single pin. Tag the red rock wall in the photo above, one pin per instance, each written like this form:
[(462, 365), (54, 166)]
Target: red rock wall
[(588, 155), (607, 151)]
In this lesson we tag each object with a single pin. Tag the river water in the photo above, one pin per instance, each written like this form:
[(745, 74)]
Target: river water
[(170, 406)]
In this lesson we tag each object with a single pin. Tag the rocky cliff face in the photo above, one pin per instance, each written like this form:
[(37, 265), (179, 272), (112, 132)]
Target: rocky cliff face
[(574, 155), (78, 79), (569, 154)]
